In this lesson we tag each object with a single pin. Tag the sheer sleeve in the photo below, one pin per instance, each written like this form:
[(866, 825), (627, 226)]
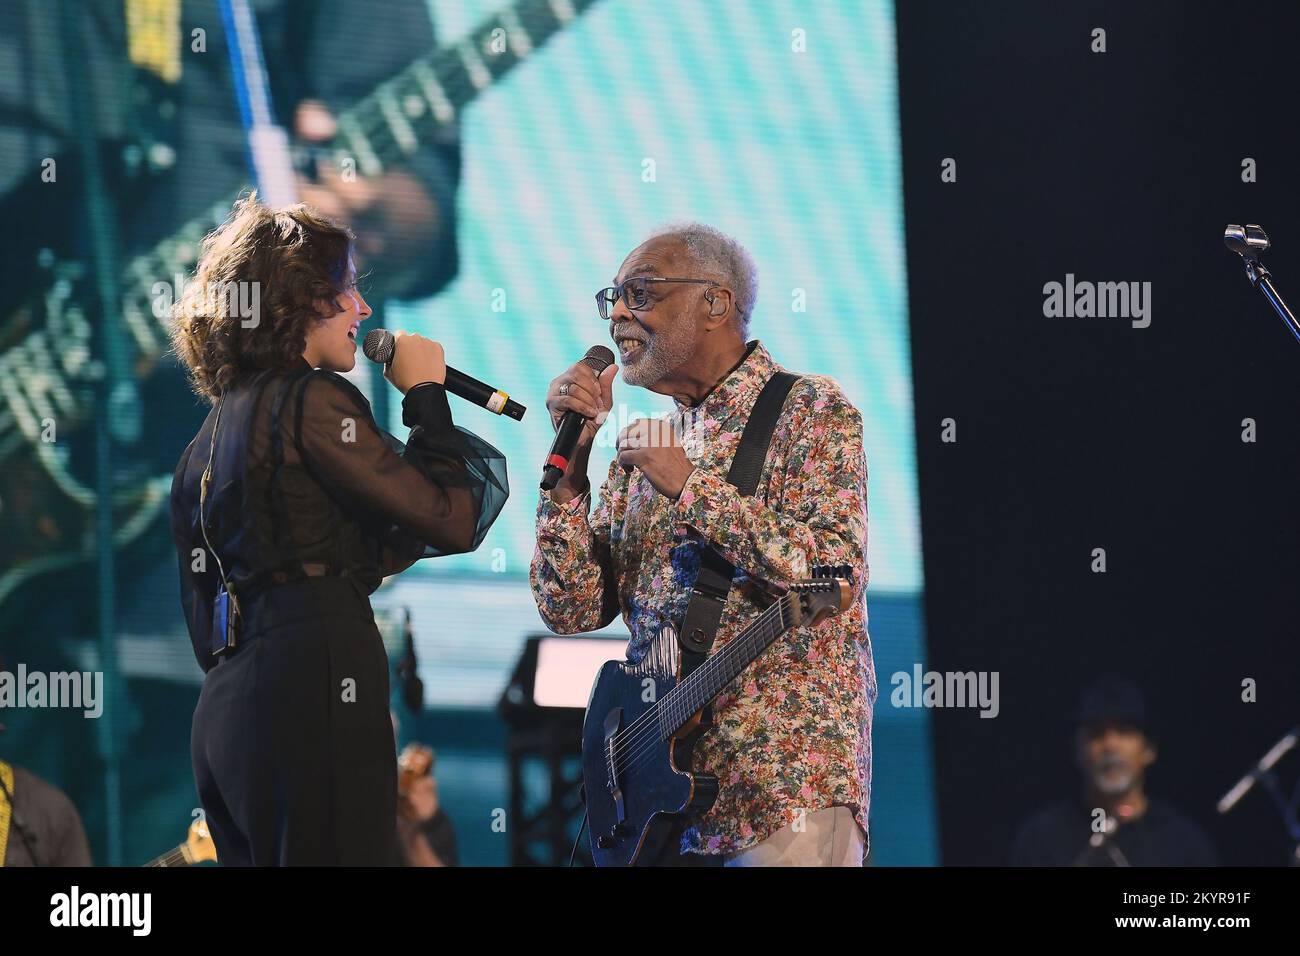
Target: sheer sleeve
[(438, 494)]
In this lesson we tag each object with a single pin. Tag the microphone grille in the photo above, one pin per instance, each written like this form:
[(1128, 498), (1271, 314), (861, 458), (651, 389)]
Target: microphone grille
[(598, 358), (378, 346)]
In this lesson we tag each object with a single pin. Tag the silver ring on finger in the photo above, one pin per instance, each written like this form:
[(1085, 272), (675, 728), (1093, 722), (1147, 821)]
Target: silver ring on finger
[(564, 389)]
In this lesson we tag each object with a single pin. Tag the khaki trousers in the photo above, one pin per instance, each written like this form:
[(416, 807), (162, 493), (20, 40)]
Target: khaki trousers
[(827, 837)]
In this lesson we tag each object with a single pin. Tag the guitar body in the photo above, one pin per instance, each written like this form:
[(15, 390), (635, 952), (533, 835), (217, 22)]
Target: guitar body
[(633, 817), (643, 720)]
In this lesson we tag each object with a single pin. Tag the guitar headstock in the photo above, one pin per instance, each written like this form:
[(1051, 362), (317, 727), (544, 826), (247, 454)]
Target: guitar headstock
[(844, 571), (827, 593), (199, 844)]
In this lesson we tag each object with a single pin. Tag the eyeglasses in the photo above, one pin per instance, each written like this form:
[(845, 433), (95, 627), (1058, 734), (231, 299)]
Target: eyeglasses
[(635, 293)]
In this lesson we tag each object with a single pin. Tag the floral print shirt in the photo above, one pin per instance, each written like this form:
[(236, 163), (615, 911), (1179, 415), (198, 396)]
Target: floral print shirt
[(792, 734)]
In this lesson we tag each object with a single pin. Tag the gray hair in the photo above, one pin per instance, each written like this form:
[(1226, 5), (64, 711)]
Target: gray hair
[(720, 257)]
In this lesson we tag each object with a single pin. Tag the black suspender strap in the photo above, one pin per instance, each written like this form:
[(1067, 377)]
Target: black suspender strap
[(713, 582)]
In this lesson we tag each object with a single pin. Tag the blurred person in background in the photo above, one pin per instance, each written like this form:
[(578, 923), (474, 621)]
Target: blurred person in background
[(1114, 749), (39, 826), (425, 832)]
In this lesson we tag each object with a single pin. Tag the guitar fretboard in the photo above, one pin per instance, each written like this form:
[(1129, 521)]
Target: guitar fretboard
[(176, 857), (714, 674)]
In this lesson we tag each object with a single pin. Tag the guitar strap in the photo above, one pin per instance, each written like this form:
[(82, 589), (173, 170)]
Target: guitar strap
[(6, 811), (713, 582)]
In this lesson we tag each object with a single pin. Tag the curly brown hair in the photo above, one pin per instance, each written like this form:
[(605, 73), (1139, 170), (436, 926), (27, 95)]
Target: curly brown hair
[(285, 261)]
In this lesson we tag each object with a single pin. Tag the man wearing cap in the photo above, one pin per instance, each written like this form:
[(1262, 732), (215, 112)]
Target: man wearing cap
[(1112, 822)]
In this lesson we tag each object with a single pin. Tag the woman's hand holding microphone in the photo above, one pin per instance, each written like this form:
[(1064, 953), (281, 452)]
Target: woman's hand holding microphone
[(416, 360)]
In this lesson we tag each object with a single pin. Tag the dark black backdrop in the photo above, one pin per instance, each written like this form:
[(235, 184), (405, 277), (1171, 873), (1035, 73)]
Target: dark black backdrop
[(1082, 433)]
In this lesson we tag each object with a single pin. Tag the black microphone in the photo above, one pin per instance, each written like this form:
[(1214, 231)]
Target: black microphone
[(407, 671), (598, 358), (380, 344)]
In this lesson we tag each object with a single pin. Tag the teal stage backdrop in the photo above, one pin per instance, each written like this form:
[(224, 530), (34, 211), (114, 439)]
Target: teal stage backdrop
[(777, 122)]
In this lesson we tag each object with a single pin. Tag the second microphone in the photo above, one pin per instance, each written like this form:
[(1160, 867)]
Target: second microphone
[(380, 344)]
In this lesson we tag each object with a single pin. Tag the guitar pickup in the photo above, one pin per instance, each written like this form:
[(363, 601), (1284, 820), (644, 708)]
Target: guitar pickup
[(613, 723)]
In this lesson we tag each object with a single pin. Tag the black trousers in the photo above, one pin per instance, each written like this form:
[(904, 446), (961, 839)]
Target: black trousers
[(292, 742)]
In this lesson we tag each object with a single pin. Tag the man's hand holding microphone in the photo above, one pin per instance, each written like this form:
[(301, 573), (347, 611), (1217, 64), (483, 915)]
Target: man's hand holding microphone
[(579, 401), (590, 395)]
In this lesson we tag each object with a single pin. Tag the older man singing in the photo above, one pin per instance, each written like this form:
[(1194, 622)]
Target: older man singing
[(791, 738)]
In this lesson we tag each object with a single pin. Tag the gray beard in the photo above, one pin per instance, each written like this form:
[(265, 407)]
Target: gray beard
[(664, 354), (1112, 787)]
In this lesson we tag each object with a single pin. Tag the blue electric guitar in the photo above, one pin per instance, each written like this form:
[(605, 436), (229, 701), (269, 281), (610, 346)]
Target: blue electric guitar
[(643, 720)]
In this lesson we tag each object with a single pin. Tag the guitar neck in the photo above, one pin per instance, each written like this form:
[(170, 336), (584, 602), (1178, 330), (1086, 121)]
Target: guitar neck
[(176, 857), (711, 677), (431, 92)]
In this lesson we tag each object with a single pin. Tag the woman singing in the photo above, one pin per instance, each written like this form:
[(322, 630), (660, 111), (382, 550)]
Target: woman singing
[(288, 509)]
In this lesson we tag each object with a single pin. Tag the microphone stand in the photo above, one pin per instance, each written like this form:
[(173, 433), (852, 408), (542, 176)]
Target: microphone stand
[(1262, 773), (1103, 841), (1249, 242), (1287, 809)]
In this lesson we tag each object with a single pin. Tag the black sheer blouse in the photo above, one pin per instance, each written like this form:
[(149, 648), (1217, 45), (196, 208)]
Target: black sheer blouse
[(304, 482)]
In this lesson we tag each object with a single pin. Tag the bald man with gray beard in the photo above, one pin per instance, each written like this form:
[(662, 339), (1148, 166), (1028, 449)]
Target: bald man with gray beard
[(790, 740)]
